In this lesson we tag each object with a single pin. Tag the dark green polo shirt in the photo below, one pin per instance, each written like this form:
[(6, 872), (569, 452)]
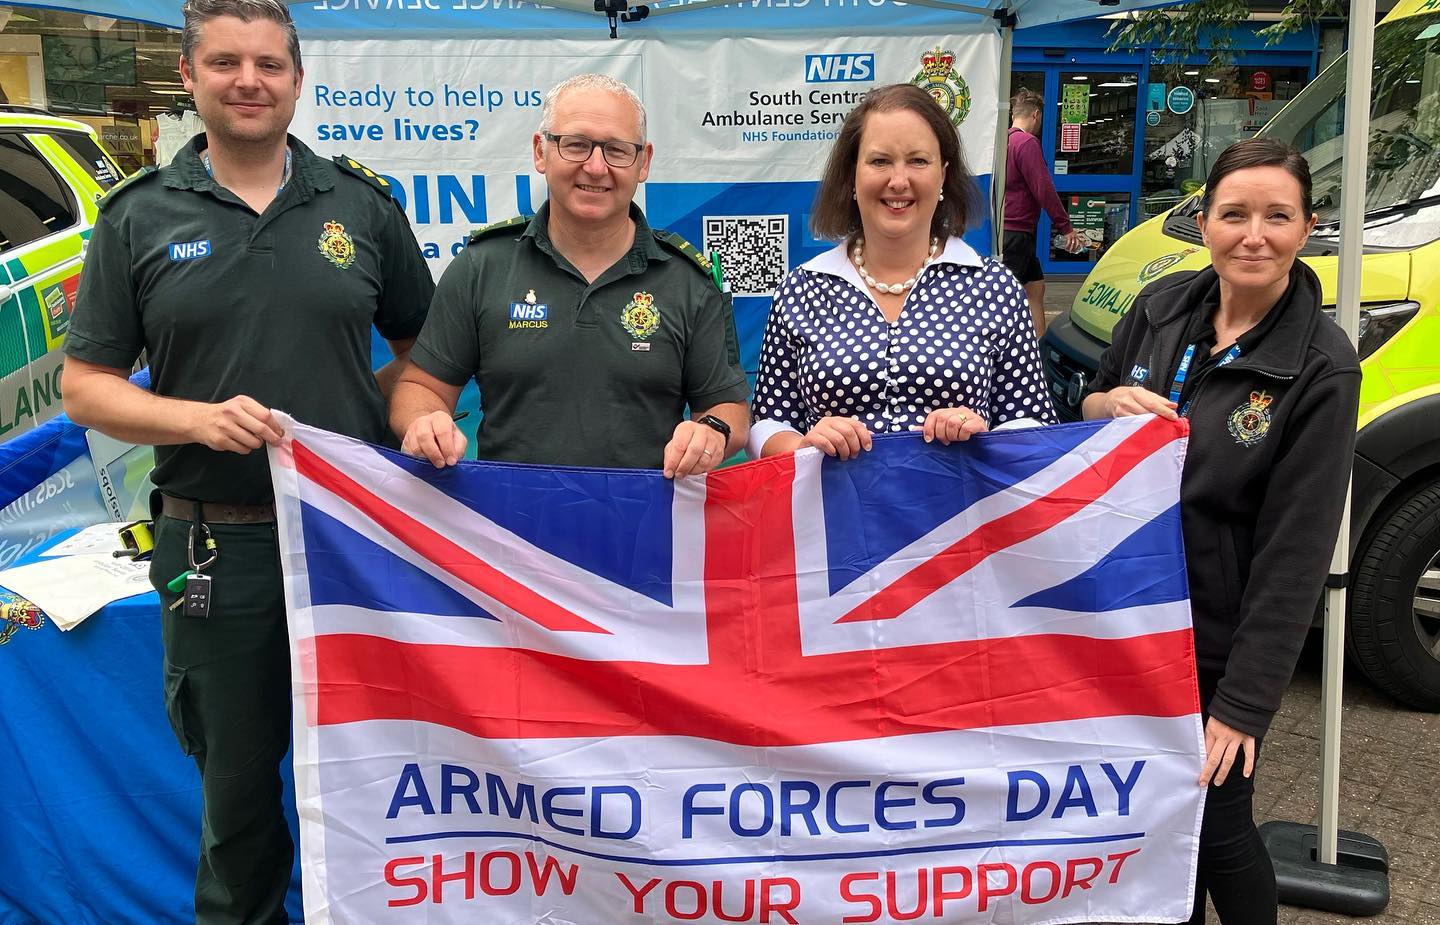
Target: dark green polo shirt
[(576, 373), (225, 302)]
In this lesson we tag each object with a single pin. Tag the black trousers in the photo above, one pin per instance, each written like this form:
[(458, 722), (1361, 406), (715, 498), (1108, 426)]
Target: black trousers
[(1235, 868), (227, 691), (1017, 250)]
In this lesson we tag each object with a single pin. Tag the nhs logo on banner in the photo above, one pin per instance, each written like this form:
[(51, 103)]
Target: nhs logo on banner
[(841, 67), (190, 250)]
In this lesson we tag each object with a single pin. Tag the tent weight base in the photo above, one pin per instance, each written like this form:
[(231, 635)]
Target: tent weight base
[(1357, 884)]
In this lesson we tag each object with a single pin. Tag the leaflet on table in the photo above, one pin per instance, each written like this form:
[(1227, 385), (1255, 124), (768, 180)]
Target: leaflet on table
[(71, 588), (96, 539)]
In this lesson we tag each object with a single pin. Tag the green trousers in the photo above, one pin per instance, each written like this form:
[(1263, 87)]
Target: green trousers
[(227, 692)]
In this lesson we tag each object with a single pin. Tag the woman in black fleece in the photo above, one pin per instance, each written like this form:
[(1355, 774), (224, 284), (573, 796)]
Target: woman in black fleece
[(1271, 388)]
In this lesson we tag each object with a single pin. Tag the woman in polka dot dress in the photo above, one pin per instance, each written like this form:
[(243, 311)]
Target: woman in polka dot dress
[(902, 326)]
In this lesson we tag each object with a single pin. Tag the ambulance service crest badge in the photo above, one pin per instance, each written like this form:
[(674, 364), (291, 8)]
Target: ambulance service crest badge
[(17, 613), (640, 318), (937, 76), (1160, 264), (337, 245), (1250, 421)]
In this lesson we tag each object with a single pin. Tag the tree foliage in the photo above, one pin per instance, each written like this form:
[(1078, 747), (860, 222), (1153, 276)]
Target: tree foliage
[(1208, 27)]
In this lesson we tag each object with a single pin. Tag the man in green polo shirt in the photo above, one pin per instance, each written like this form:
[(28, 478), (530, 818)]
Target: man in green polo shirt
[(588, 333), (250, 272)]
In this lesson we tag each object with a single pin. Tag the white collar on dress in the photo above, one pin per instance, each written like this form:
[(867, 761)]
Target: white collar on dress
[(836, 261)]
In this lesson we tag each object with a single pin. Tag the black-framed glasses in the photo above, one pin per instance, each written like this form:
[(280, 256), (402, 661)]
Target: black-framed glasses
[(578, 148)]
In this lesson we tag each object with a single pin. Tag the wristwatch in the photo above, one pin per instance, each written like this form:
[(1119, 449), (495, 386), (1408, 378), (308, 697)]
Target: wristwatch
[(711, 420)]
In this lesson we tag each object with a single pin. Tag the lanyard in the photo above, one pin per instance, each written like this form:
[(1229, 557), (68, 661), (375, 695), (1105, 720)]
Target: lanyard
[(1178, 385), (284, 176)]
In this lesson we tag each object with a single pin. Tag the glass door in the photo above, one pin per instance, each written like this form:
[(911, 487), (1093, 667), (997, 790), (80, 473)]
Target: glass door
[(1090, 136), (1094, 147)]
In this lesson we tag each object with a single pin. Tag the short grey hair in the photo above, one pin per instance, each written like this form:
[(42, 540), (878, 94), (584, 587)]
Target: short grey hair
[(589, 82), (199, 12)]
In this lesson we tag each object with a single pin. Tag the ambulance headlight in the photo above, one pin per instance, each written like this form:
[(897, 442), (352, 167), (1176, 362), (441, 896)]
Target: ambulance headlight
[(1378, 323)]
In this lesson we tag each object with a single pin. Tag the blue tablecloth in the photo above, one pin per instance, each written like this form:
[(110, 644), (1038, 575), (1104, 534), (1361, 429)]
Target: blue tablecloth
[(100, 815)]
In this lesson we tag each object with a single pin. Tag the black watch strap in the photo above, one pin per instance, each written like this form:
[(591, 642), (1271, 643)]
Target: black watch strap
[(711, 420)]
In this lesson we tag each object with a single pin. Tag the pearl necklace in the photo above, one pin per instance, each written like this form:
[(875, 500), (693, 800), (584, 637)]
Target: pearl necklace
[(858, 255)]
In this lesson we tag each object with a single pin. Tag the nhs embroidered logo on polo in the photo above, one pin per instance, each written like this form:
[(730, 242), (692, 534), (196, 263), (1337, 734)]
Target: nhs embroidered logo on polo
[(190, 250)]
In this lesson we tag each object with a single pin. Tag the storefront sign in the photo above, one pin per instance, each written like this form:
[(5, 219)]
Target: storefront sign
[(1156, 100), (120, 138), (1075, 104), (68, 96), (1180, 100), (88, 59), (1069, 138), (1087, 214)]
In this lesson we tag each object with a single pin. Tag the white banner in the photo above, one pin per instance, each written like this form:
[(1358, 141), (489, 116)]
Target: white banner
[(741, 126)]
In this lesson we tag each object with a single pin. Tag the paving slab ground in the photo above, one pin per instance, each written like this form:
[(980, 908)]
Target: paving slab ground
[(1389, 773), (1060, 292), (1389, 785)]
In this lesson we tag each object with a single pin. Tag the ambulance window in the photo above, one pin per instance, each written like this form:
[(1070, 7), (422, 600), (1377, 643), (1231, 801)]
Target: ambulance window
[(33, 201), (90, 156)]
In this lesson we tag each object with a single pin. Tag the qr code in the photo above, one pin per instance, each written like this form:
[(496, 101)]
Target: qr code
[(752, 250)]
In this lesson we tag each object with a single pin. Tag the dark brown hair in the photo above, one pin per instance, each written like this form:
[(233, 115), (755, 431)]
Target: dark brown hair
[(836, 214), (198, 12), (1260, 152), (1025, 102)]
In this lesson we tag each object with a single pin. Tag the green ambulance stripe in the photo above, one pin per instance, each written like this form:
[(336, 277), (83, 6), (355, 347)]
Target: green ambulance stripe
[(12, 340), (17, 338), (35, 326)]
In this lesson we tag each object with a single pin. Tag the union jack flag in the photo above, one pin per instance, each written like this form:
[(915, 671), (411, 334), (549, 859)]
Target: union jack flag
[(802, 671)]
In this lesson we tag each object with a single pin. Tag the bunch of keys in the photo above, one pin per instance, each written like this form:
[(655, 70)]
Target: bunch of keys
[(193, 586)]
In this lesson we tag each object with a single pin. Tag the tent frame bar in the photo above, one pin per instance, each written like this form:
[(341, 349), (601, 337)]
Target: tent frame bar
[(1323, 867)]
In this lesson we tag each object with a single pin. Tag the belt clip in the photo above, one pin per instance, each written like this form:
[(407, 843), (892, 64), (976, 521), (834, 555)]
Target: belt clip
[(199, 524), (138, 539)]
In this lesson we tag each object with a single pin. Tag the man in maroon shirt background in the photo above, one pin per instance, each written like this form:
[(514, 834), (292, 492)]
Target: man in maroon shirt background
[(1028, 187)]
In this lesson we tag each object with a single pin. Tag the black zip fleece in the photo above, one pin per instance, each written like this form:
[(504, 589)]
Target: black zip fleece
[(1271, 438)]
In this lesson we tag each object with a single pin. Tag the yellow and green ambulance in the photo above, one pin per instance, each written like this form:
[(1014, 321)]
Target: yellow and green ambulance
[(1394, 615), (51, 172)]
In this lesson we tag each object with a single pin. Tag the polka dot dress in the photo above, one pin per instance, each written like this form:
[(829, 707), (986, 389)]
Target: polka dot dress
[(964, 337)]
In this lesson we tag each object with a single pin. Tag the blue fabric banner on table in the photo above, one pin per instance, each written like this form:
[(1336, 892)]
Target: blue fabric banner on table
[(100, 824)]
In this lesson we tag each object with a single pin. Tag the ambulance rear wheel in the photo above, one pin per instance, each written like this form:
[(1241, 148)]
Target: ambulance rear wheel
[(1394, 610)]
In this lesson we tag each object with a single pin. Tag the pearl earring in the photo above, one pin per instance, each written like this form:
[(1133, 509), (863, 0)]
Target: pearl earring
[(942, 195)]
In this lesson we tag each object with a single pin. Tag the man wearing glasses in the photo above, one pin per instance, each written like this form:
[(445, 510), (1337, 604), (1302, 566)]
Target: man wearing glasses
[(588, 332)]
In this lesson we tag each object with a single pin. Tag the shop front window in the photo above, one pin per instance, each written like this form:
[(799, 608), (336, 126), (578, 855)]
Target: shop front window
[(1101, 218), (1194, 112), (116, 79), (1027, 80), (1096, 129)]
